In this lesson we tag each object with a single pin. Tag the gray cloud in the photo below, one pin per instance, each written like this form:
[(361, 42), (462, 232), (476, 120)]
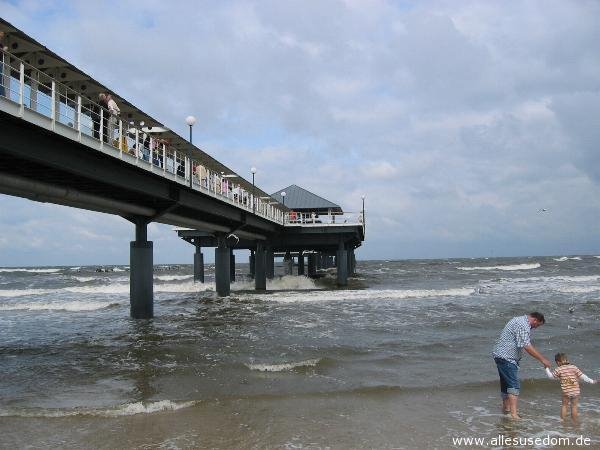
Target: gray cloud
[(457, 119)]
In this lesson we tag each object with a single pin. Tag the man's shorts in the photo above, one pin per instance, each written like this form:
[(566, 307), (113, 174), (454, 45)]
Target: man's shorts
[(509, 379)]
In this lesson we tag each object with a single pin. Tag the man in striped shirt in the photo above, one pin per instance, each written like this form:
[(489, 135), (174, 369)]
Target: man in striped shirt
[(515, 337)]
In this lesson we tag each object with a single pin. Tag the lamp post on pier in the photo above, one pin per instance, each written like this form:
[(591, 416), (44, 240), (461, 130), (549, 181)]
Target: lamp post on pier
[(253, 170), (363, 212), (283, 194), (190, 120)]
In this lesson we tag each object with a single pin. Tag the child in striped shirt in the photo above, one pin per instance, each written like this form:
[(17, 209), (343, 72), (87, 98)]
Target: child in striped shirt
[(569, 376)]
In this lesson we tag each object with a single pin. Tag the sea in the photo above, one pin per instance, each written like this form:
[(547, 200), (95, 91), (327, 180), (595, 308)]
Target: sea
[(398, 359)]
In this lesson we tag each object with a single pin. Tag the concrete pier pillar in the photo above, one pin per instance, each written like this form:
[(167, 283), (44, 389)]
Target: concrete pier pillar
[(318, 261), (198, 264), (300, 263), (252, 263), (141, 288), (270, 263), (222, 271), (260, 274), (342, 266), (312, 265), (330, 262), (349, 254), (353, 263), (231, 265), (288, 264)]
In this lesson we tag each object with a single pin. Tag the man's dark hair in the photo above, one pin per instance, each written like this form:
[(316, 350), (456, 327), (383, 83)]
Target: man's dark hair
[(538, 316)]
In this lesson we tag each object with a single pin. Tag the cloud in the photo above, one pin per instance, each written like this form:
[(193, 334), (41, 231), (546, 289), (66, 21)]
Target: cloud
[(456, 119)]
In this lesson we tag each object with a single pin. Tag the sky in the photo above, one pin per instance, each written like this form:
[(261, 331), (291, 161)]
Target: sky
[(460, 121)]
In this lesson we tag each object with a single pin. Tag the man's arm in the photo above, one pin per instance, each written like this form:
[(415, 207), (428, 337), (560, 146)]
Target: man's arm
[(537, 355)]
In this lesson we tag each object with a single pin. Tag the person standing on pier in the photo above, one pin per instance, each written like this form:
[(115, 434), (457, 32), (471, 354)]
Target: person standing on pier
[(114, 111), (507, 353), (103, 102)]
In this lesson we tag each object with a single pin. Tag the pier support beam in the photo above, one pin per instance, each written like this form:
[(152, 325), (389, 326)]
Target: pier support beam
[(222, 271), (300, 263), (198, 263), (312, 265), (252, 263), (349, 254), (141, 289), (260, 274), (342, 265), (288, 264), (231, 265), (270, 263)]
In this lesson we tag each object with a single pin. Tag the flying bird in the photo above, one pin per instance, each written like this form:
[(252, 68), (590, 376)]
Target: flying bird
[(542, 210)]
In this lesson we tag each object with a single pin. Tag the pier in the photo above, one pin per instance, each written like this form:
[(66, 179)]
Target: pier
[(61, 144)]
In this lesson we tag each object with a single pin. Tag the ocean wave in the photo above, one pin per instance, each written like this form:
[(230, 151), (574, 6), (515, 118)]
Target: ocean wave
[(24, 292), (283, 366), (565, 258), (7, 269), (578, 289), (84, 279), (284, 283), (366, 295), (508, 267), (56, 306), (173, 277), (128, 409)]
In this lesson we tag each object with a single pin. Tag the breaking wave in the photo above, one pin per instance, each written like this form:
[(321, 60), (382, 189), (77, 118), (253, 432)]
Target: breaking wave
[(365, 295), (128, 409), (8, 269), (509, 267), (57, 306), (284, 366)]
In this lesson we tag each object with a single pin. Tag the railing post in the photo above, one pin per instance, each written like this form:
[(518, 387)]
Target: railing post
[(120, 144), (101, 127), (137, 145), (175, 162), (164, 161), (79, 118), (22, 89)]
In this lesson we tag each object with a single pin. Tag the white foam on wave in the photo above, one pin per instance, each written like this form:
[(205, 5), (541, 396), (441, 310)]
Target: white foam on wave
[(283, 366), (284, 283), (578, 289), (84, 279), (365, 295), (508, 267), (131, 409), (128, 409), (566, 258), (7, 269), (56, 306), (173, 277), (24, 292)]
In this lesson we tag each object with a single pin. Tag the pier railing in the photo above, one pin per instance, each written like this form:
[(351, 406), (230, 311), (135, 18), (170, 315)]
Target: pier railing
[(294, 218), (71, 114)]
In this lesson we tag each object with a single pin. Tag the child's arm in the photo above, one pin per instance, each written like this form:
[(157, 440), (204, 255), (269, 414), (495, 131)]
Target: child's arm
[(549, 374), (587, 379)]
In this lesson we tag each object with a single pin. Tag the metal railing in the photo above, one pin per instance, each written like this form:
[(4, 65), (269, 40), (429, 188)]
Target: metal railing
[(294, 218), (34, 90)]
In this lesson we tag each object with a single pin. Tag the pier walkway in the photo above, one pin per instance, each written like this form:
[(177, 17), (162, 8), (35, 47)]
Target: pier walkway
[(62, 142)]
